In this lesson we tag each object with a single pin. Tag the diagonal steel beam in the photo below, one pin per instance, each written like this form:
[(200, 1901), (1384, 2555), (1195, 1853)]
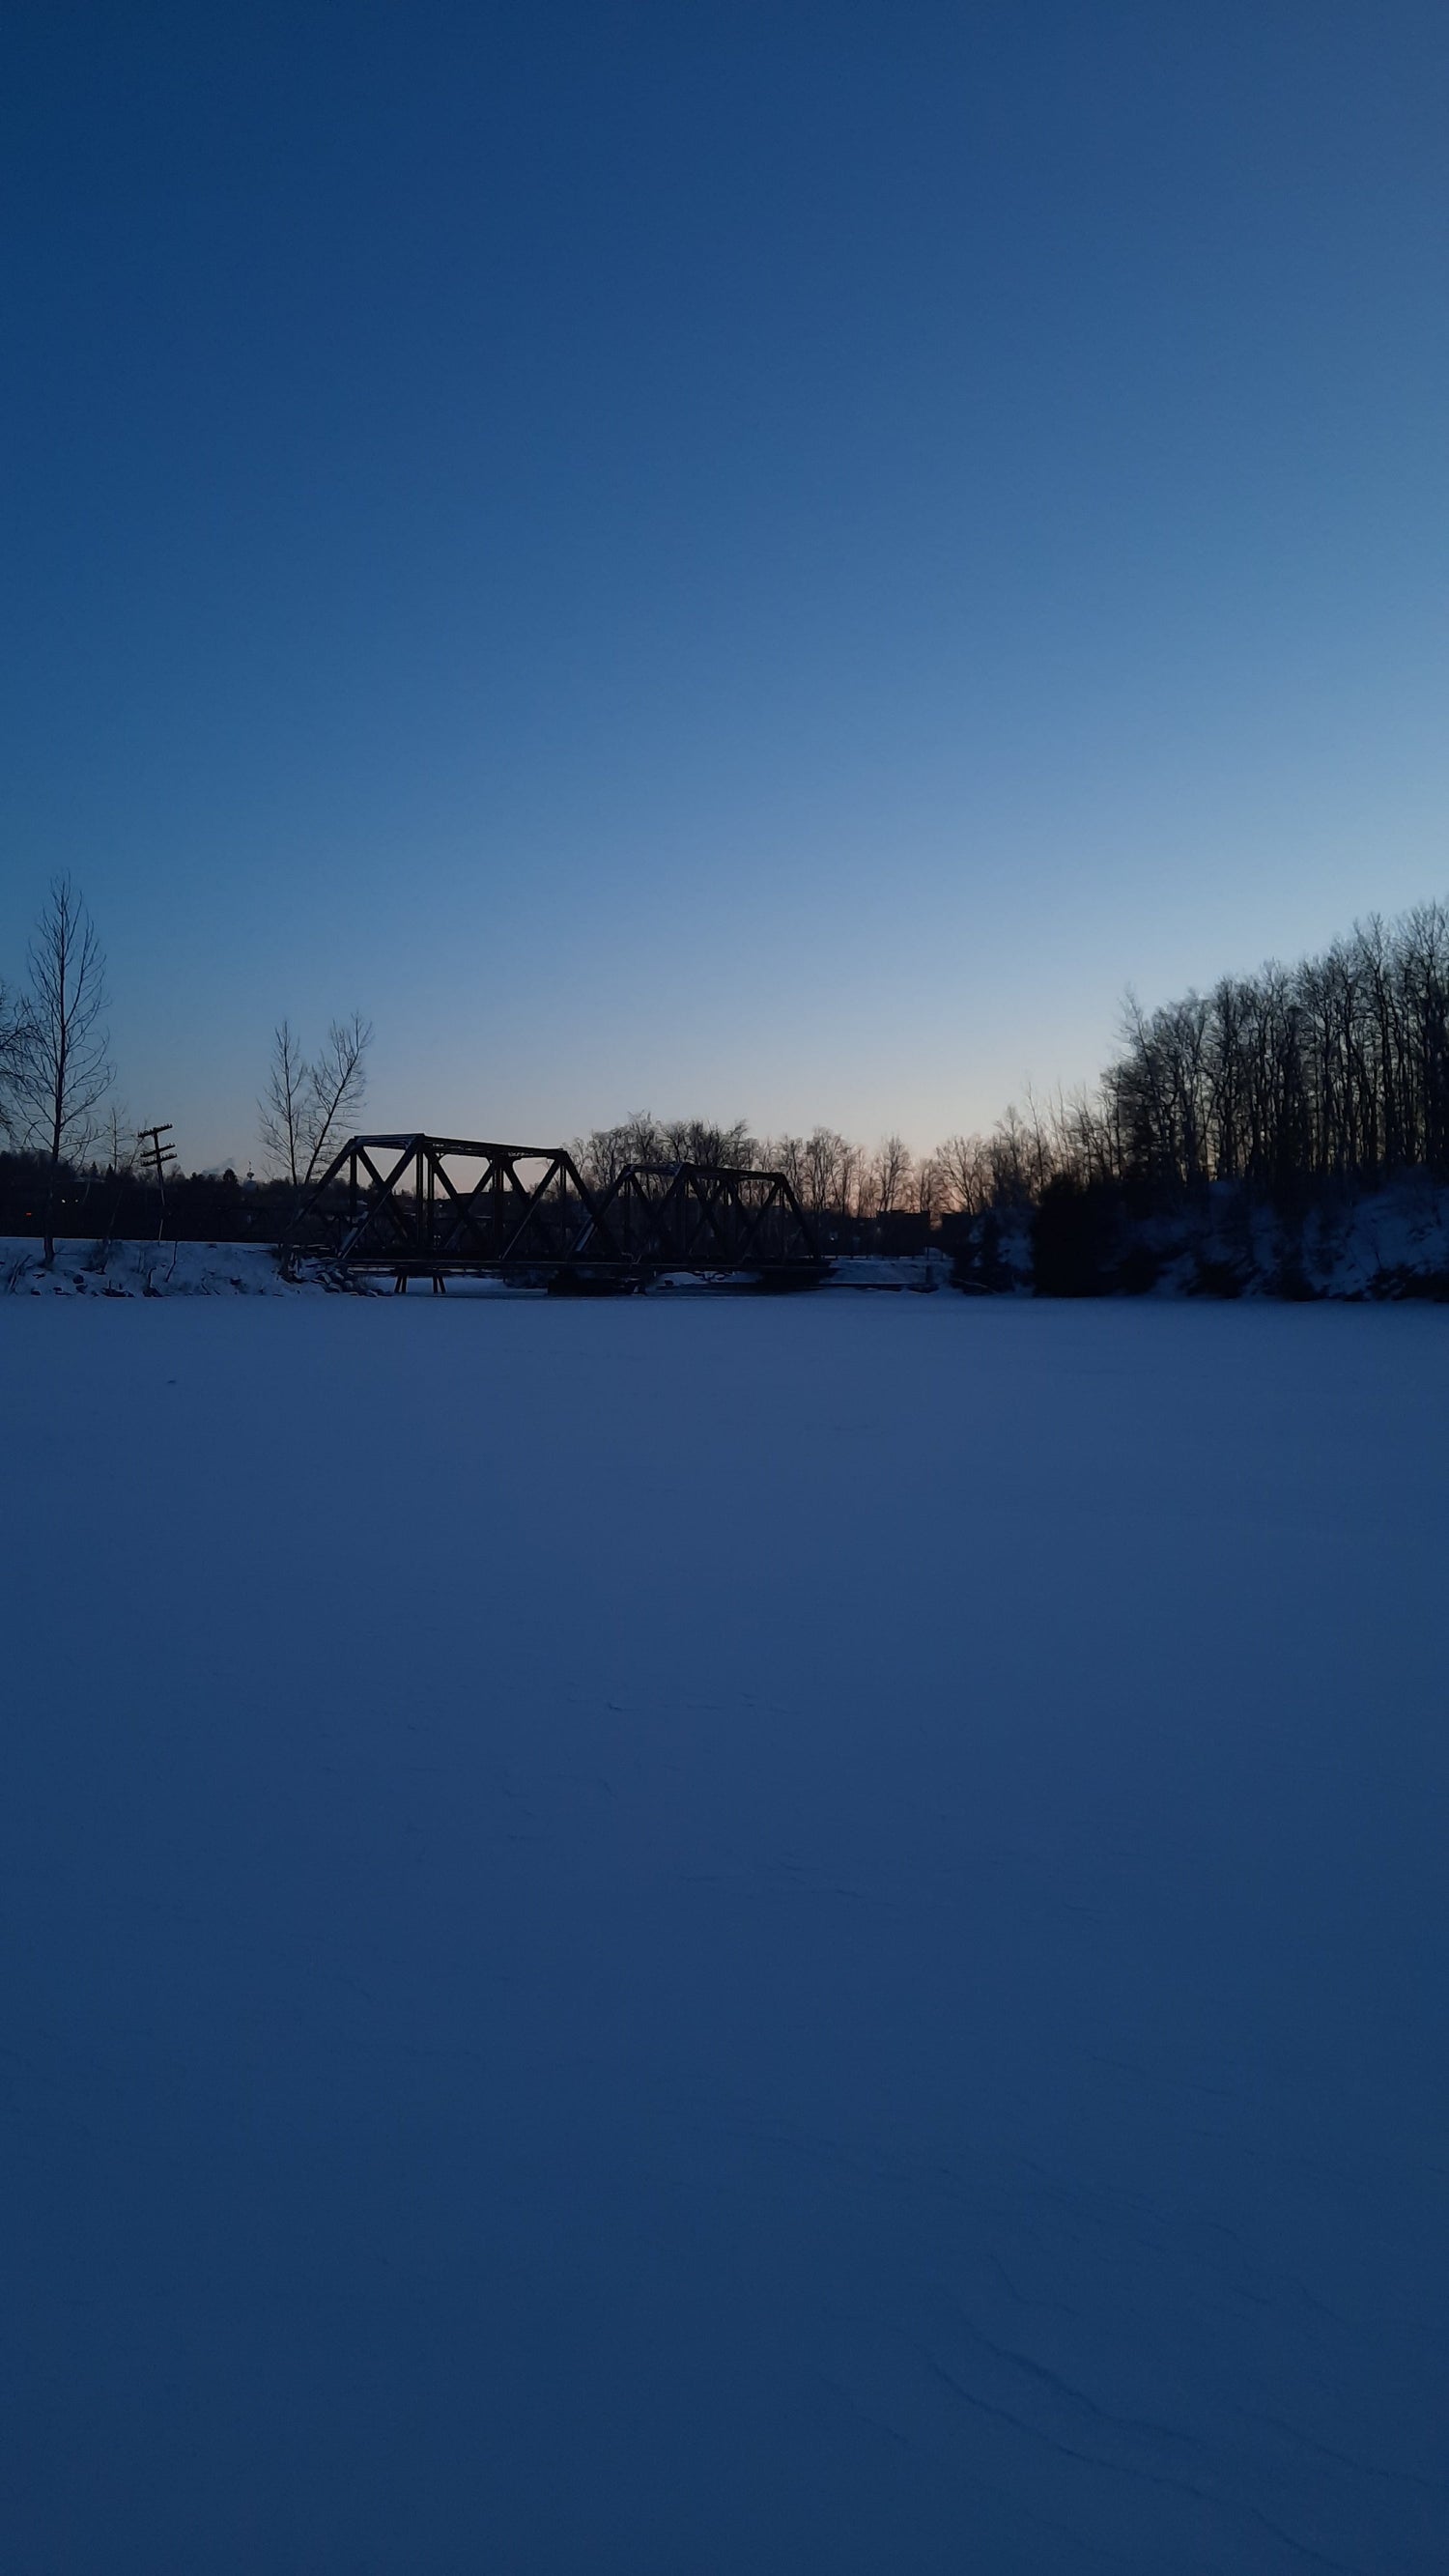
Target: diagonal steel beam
[(384, 1204)]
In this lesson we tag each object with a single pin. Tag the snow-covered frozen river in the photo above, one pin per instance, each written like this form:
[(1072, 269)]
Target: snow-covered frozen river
[(729, 1937)]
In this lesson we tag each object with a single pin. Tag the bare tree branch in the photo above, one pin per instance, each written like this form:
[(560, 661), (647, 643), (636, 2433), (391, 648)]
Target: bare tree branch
[(336, 1084), (280, 1106), (890, 1174), (14, 1029), (308, 1109)]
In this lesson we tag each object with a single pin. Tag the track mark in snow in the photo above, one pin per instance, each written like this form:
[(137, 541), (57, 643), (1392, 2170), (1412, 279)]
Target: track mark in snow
[(1122, 2468)]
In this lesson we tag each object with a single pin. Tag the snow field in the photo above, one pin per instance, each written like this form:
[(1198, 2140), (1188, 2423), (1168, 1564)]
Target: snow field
[(731, 1935)]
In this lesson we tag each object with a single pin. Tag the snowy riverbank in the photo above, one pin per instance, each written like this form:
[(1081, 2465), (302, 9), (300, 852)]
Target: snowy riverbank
[(1384, 1247), (250, 1270)]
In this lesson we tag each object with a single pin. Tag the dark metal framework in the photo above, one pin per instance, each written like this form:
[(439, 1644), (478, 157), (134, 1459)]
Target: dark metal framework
[(441, 1206)]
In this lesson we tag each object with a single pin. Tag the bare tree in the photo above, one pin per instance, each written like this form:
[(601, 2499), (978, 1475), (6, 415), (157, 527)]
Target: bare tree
[(930, 1187), (965, 1173), (1032, 1143), (701, 1140), (307, 1107), (282, 1105), (62, 1068), (118, 1142), (601, 1156), (1008, 1152), (889, 1175), (852, 1179), (337, 1087), (119, 1147), (824, 1154), (640, 1138), (786, 1154)]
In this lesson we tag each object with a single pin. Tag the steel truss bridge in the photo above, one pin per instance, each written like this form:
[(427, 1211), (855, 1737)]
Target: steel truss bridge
[(437, 1207)]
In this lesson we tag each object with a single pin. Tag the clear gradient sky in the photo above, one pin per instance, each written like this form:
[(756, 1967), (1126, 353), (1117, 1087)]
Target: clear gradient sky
[(754, 559)]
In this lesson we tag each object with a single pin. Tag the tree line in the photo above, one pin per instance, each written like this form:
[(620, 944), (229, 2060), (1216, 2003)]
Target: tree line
[(829, 1175), (1336, 1068)]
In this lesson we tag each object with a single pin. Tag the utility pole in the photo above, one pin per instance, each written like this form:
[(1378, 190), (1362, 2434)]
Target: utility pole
[(159, 1156)]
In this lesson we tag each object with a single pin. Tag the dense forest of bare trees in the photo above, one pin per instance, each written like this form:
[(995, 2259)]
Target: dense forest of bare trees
[(830, 1176), (1336, 1068)]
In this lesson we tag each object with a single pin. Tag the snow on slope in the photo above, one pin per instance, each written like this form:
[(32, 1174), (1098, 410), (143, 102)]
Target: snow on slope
[(140, 1270), (251, 1270), (724, 1936), (1384, 1244)]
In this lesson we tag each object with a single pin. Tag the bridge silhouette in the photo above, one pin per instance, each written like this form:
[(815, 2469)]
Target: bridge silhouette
[(440, 1207)]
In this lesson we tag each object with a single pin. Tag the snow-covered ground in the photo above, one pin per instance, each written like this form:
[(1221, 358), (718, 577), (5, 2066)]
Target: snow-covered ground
[(117, 1270), (1389, 1243), (724, 1936), (252, 1270)]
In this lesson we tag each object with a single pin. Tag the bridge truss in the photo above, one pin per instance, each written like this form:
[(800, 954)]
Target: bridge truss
[(444, 1206)]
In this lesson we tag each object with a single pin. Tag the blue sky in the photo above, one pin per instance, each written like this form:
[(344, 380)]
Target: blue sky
[(755, 559)]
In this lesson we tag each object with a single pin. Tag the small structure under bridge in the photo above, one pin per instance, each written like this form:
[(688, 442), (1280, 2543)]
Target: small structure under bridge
[(441, 1207)]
